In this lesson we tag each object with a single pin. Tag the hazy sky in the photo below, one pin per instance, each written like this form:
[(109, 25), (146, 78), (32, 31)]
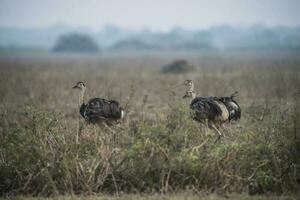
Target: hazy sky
[(154, 14)]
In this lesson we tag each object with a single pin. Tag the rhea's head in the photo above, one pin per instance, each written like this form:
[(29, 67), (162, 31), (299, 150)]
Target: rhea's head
[(190, 89), (80, 86), (188, 83)]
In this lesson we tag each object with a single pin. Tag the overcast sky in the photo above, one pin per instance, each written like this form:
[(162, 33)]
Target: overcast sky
[(153, 14)]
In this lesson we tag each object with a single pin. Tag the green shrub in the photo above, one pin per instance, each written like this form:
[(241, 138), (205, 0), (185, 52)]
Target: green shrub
[(44, 154), (177, 67)]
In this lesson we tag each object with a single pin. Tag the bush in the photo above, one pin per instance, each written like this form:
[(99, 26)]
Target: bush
[(44, 154), (177, 67)]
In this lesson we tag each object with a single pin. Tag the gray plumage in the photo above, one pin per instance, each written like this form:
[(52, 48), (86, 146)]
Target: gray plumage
[(98, 110), (214, 111), (205, 109)]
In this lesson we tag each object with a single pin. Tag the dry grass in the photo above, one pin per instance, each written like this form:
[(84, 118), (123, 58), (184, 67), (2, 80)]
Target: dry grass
[(177, 196), (47, 149)]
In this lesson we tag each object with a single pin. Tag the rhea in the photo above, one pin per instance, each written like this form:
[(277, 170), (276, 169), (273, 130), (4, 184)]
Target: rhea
[(214, 111), (98, 110)]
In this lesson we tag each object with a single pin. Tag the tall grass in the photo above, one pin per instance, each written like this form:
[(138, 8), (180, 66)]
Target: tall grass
[(40, 155), (46, 148)]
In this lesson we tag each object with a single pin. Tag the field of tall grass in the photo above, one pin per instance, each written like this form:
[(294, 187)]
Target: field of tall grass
[(47, 149)]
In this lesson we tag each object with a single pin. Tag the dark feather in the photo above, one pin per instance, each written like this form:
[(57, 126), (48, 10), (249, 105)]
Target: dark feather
[(205, 108), (98, 109)]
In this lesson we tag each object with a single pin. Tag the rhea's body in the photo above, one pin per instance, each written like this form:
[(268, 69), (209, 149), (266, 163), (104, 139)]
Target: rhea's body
[(213, 110), (98, 110)]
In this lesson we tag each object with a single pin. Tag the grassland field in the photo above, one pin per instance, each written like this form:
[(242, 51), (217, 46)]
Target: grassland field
[(46, 148)]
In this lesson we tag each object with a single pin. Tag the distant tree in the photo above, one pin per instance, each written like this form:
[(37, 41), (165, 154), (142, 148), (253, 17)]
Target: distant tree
[(75, 42), (133, 45)]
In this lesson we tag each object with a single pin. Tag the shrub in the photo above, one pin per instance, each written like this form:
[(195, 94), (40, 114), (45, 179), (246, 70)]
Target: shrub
[(177, 67), (44, 154)]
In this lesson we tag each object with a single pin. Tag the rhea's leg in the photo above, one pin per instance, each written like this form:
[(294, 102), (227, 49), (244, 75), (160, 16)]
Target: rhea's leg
[(204, 127), (102, 135), (217, 131), (227, 130), (111, 132)]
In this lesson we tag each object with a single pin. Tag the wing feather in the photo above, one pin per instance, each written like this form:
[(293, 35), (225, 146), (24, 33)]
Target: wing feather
[(101, 109), (205, 108), (232, 106)]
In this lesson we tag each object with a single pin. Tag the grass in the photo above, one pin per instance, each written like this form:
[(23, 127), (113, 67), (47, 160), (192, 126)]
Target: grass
[(177, 196), (46, 148)]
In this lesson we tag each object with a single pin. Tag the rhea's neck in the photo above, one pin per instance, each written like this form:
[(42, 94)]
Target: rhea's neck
[(191, 88), (190, 95), (81, 97), (193, 95)]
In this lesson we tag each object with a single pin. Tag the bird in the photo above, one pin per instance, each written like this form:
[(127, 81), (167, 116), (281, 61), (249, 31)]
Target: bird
[(98, 110), (215, 111)]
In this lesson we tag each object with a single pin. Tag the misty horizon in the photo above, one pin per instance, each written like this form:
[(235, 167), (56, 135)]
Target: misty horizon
[(153, 25), (114, 38)]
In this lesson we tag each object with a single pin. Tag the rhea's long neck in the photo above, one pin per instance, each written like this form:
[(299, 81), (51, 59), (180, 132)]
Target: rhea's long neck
[(190, 95), (81, 97), (191, 88), (193, 96)]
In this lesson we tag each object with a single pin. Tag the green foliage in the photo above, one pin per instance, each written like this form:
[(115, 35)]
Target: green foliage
[(177, 67), (41, 156)]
